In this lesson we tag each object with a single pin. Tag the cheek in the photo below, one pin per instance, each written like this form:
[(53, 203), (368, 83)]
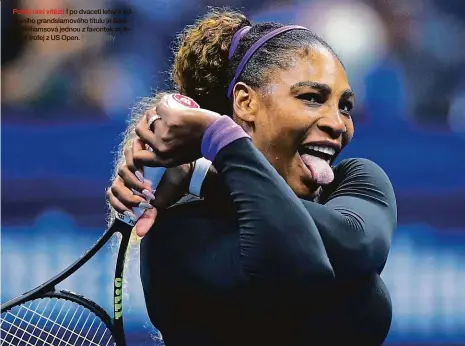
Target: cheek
[(280, 132), (350, 131)]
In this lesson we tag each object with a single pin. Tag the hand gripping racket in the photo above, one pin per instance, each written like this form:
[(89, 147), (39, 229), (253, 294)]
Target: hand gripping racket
[(48, 316)]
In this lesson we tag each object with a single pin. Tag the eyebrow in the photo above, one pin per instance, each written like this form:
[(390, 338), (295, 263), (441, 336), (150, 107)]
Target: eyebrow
[(323, 88)]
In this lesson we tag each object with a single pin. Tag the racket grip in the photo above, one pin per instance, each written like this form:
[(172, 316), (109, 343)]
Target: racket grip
[(153, 176)]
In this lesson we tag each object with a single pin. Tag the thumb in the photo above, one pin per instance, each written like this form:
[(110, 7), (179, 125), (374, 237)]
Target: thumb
[(146, 221)]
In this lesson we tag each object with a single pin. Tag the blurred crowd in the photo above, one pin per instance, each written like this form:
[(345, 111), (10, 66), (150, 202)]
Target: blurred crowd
[(405, 55)]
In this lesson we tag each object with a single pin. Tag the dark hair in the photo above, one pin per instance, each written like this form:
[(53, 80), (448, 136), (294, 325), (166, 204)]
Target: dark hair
[(202, 70)]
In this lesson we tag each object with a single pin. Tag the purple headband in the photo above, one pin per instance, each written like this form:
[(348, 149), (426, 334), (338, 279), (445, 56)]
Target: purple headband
[(235, 42), (236, 38)]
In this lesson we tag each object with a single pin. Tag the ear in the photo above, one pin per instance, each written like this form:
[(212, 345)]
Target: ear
[(246, 103)]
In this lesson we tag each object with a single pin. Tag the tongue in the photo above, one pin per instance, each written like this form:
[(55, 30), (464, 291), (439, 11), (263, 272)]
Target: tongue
[(321, 171)]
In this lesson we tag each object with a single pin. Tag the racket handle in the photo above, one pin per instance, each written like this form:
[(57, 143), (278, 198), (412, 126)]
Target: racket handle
[(153, 176)]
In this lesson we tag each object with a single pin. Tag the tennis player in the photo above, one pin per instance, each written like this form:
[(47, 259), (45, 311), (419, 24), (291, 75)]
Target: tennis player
[(282, 249)]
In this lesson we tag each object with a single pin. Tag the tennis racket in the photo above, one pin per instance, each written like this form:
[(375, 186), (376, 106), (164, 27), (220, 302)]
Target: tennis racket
[(48, 316)]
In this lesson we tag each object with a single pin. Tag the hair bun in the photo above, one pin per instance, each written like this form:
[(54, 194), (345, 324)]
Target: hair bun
[(201, 61)]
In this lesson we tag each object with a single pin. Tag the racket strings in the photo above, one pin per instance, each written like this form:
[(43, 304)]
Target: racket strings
[(58, 322)]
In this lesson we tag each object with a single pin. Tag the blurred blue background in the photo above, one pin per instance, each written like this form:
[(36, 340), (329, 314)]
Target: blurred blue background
[(65, 105)]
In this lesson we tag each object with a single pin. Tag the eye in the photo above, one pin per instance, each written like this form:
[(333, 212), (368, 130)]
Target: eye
[(346, 107), (312, 98)]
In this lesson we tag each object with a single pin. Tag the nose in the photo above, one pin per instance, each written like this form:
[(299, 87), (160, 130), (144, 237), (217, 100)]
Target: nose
[(332, 124)]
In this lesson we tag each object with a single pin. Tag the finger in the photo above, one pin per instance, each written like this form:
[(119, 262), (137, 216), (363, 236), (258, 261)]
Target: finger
[(145, 134), (148, 116), (125, 195), (151, 159), (155, 152), (116, 204), (136, 145), (128, 158), (146, 221), (164, 110), (161, 156), (131, 181)]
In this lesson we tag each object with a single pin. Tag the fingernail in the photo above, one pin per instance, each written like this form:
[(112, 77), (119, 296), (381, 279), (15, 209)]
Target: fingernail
[(131, 215), (137, 193), (144, 205), (139, 176), (148, 182), (147, 194)]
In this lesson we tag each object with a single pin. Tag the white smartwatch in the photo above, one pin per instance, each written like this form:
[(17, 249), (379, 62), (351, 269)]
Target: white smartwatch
[(201, 168)]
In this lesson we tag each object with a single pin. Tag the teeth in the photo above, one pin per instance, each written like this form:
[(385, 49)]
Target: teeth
[(326, 150)]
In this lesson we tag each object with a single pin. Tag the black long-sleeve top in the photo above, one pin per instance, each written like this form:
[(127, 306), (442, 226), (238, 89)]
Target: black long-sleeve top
[(263, 267)]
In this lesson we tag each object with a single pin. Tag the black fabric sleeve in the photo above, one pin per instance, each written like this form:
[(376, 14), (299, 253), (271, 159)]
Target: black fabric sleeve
[(357, 219), (278, 238)]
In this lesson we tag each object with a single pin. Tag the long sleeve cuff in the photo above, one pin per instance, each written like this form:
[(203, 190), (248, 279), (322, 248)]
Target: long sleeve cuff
[(219, 134)]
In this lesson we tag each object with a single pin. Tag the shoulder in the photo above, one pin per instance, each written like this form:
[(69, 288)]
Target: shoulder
[(360, 177), (359, 168)]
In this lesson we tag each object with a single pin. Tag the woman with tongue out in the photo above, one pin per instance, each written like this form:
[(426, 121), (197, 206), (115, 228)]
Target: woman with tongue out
[(282, 249)]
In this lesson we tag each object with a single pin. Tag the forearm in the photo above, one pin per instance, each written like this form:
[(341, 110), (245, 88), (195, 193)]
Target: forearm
[(356, 232), (353, 247), (358, 218), (278, 239)]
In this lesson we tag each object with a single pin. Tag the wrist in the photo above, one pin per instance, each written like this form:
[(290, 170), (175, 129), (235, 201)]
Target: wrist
[(208, 118), (219, 134)]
